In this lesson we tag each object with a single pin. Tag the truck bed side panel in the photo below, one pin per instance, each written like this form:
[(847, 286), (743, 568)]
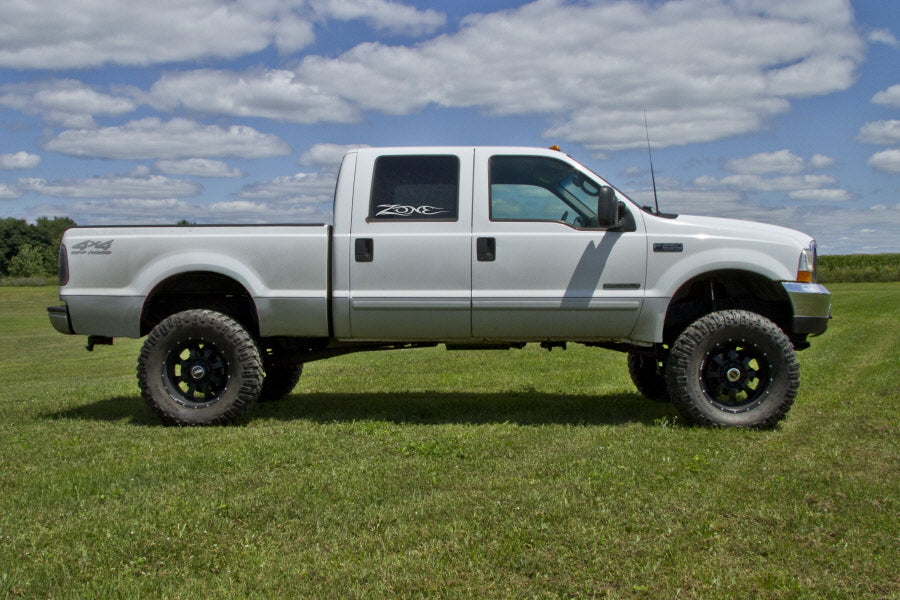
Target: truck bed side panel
[(114, 270)]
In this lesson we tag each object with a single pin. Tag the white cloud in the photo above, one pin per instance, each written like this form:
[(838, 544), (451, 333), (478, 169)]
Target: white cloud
[(119, 211), (9, 193), (756, 183), (273, 94), (52, 34), (292, 34), (137, 184), (880, 132), (19, 160), (47, 34), (198, 167), (751, 177), (382, 14), (882, 36), (307, 187), (819, 74), (327, 156), (243, 211), (887, 161), (820, 161), (821, 195), (845, 230), (65, 102), (782, 161), (179, 138), (705, 69), (888, 97)]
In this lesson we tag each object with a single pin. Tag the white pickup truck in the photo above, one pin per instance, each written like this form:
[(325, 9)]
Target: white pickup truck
[(468, 247)]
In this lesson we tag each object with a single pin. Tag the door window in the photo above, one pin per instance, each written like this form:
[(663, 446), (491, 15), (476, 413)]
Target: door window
[(415, 188), (536, 188)]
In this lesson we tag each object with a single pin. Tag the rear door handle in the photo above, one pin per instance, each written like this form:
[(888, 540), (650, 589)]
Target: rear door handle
[(365, 249), (486, 249)]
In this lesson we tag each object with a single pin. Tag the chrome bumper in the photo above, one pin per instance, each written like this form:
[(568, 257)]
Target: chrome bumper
[(811, 303)]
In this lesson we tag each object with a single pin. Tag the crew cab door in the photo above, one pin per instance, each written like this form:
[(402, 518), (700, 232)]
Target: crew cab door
[(410, 254), (542, 267)]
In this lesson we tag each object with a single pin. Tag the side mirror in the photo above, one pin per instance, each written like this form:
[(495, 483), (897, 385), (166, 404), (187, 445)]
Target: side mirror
[(607, 207)]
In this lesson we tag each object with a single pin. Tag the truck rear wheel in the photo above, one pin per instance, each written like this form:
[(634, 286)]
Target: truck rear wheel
[(649, 376), (200, 367), (733, 368), (280, 379)]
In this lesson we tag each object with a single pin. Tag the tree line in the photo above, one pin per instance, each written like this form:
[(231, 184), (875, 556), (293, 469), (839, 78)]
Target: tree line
[(31, 250)]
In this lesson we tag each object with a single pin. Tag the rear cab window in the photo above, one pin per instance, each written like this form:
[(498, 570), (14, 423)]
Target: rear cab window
[(415, 188)]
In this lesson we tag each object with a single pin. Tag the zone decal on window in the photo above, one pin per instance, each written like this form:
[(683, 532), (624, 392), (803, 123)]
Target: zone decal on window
[(399, 210)]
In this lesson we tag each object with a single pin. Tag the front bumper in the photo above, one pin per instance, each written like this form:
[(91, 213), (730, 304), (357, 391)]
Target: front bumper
[(811, 303), (59, 318)]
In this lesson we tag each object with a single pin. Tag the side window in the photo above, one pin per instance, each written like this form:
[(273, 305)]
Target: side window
[(519, 202), (537, 188), (415, 188)]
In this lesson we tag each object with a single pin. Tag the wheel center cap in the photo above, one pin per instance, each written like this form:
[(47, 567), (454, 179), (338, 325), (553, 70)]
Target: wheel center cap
[(198, 372), (733, 374)]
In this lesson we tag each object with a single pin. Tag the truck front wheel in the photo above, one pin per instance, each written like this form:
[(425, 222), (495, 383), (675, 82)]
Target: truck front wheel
[(200, 367), (733, 368)]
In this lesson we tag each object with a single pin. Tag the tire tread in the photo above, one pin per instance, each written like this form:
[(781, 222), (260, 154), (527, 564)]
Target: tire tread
[(682, 356), (251, 373)]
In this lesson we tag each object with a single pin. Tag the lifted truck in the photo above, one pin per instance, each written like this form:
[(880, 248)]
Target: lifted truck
[(468, 247)]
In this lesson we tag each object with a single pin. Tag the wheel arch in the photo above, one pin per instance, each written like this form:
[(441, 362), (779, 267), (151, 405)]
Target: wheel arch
[(199, 289), (726, 289)]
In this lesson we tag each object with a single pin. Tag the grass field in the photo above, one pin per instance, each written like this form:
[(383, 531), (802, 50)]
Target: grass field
[(431, 474)]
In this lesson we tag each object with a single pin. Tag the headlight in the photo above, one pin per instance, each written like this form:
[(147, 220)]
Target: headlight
[(806, 268)]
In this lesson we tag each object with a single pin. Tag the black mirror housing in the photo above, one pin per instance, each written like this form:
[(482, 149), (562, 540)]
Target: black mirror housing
[(607, 207)]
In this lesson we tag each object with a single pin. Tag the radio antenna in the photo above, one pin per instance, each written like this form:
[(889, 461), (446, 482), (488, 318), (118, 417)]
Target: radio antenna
[(650, 155)]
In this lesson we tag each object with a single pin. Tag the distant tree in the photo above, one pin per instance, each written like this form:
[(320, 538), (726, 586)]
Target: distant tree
[(29, 262), (14, 233), (49, 232), (31, 244), (185, 223)]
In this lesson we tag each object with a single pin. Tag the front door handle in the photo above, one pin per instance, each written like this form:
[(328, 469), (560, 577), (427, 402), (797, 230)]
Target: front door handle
[(486, 249), (365, 249)]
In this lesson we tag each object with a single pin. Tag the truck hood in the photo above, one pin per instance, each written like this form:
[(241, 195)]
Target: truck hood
[(729, 228)]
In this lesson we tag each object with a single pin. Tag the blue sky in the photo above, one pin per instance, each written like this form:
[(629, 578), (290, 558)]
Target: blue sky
[(238, 111)]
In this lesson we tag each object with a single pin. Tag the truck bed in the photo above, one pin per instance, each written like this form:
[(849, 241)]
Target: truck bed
[(114, 270)]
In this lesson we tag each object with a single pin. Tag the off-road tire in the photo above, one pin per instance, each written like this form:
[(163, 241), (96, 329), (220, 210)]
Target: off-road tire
[(733, 368), (200, 367), (280, 379), (649, 376)]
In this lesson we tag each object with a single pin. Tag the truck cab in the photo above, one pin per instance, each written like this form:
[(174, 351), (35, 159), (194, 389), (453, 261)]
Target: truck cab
[(491, 244)]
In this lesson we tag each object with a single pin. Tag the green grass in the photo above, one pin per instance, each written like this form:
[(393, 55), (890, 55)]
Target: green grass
[(431, 474)]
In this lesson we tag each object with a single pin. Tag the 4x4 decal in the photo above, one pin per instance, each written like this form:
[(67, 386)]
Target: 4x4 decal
[(93, 247)]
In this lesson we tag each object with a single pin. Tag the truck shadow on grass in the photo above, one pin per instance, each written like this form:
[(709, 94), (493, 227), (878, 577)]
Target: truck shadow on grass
[(434, 408)]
